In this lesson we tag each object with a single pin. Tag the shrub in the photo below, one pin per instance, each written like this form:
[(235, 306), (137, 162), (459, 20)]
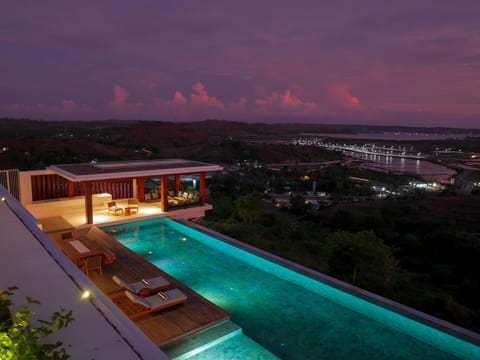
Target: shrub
[(19, 339)]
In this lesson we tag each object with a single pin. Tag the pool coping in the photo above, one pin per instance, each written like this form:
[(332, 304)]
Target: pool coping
[(437, 323)]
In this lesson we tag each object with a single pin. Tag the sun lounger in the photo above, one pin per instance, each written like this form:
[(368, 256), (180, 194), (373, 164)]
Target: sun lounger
[(153, 284), (153, 303)]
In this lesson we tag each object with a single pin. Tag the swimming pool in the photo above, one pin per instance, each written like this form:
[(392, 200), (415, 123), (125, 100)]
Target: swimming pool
[(292, 315)]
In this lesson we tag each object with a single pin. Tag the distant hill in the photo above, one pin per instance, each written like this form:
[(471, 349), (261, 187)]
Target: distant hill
[(34, 144)]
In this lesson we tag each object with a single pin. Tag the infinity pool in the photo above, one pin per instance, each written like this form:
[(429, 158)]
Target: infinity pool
[(290, 314)]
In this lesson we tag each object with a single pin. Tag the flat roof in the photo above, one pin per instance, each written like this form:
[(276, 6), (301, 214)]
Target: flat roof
[(128, 169)]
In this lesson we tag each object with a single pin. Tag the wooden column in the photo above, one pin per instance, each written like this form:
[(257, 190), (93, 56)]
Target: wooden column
[(71, 191), (203, 196), (163, 193), (177, 184), (88, 201), (141, 189)]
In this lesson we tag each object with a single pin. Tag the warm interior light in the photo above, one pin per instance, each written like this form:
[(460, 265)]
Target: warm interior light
[(86, 294)]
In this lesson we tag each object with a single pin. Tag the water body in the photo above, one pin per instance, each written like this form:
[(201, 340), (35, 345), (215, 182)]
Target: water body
[(394, 136), (427, 170), (291, 315)]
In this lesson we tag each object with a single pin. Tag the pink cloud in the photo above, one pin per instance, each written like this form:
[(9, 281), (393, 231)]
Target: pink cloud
[(120, 97), (285, 101), (339, 95), (200, 97), (199, 102), (179, 99)]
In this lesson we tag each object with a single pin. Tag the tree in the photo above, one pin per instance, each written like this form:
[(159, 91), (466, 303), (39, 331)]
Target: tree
[(248, 208), (299, 205), (361, 259), (19, 339)]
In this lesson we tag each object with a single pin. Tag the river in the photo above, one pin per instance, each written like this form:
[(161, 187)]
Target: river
[(427, 170)]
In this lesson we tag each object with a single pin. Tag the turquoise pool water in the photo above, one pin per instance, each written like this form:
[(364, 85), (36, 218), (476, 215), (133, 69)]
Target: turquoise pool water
[(290, 314), (240, 347)]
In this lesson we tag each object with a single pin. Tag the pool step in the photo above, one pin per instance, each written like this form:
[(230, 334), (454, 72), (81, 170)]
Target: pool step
[(202, 340)]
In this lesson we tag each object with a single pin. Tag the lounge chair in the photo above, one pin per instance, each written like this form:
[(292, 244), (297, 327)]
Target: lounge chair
[(153, 303), (112, 207), (133, 205), (153, 284)]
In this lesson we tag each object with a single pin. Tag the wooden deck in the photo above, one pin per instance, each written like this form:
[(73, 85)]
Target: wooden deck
[(166, 325)]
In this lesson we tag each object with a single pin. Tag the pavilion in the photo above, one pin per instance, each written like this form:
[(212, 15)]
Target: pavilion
[(173, 183)]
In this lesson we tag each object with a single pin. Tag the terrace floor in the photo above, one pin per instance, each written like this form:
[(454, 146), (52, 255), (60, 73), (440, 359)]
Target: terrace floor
[(62, 215), (166, 325)]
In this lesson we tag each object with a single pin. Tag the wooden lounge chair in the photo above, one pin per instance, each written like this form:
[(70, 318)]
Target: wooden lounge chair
[(144, 286), (133, 204), (142, 306), (112, 207)]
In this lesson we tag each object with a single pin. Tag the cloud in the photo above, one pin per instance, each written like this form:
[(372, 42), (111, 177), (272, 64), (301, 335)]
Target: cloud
[(285, 101), (339, 95), (200, 97), (179, 99), (120, 97), (178, 102), (198, 103)]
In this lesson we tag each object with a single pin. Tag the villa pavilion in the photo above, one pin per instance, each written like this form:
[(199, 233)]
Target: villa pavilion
[(80, 193), (38, 208)]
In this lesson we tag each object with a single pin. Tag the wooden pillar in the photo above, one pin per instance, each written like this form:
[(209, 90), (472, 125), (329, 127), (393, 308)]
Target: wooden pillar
[(177, 184), (88, 201), (141, 189), (71, 191), (164, 193), (203, 196)]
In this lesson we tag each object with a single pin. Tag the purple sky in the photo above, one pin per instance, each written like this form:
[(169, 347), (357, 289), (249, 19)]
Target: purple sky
[(410, 62)]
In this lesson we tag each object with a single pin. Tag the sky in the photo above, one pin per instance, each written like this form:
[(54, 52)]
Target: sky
[(383, 62)]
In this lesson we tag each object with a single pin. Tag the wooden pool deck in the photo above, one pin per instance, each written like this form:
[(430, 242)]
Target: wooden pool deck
[(164, 326)]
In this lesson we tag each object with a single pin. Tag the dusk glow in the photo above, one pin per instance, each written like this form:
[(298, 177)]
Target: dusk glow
[(359, 62)]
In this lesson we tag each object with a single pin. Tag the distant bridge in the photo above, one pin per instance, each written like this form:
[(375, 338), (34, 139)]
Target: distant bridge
[(370, 149)]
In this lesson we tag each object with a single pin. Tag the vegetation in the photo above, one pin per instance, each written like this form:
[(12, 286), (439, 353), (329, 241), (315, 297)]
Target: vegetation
[(419, 249), (20, 339), (397, 248)]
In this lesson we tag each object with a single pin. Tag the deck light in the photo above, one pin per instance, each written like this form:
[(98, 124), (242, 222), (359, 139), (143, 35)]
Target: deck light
[(86, 294), (4, 198), (184, 239)]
